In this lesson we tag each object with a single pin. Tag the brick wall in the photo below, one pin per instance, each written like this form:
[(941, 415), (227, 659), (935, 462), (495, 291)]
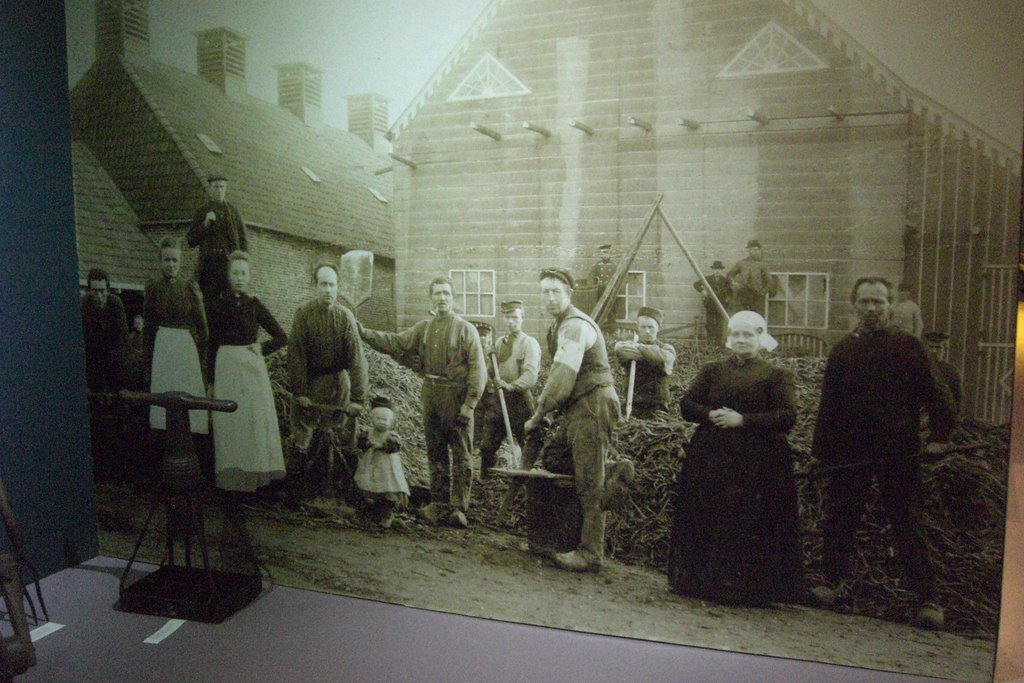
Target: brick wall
[(822, 195)]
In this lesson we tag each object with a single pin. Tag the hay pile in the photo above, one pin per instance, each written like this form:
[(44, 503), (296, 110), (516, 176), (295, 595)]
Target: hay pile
[(964, 497)]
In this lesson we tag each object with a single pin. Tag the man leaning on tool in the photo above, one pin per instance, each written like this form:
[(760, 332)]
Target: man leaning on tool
[(326, 367), (654, 363), (451, 362), (876, 381), (518, 356), (580, 385)]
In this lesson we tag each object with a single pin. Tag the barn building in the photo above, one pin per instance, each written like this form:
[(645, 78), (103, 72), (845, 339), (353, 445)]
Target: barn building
[(552, 127), (146, 135)]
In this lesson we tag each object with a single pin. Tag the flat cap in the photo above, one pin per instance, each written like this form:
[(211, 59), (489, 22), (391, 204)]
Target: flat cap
[(482, 327), (650, 312), (216, 176), (604, 247), (559, 274), (935, 337), (717, 265), (753, 243), (380, 401), (511, 305)]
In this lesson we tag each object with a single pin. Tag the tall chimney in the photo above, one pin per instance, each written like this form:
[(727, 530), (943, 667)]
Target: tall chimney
[(122, 28), (368, 119), (299, 89), (220, 58)]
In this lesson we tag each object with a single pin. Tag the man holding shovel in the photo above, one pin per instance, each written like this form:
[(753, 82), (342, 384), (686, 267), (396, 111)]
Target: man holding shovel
[(451, 361), (326, 365), (876, 382), (514, 363), (654, 361)]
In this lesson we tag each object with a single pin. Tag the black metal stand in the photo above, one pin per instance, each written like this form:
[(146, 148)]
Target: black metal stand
[(186, 592)]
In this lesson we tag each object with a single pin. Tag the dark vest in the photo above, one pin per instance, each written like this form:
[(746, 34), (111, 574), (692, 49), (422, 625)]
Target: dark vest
[(594, 371), (651, 388)]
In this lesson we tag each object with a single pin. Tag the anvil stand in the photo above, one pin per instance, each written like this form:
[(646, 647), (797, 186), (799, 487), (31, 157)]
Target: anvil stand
[(186, 592)]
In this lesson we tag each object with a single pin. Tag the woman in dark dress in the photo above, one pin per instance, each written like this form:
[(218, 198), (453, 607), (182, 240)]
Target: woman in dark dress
[(735, 535)]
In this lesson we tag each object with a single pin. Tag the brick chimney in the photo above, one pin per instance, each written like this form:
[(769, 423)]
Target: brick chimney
[(122, 28), (368, 119), (220, 59), (299, 89)]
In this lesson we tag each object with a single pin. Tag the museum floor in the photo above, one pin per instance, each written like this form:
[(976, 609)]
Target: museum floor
[(295, 635)]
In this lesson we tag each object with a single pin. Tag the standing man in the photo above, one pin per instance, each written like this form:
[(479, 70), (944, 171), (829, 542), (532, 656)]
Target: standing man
[(654, 363), (876, 381), (602, 271), (518, 356), (106, 333), (217, 229), (451, 362), (580, 385), (937, 345), (751, 281), (713, 321), (905, 314), (326, 367)]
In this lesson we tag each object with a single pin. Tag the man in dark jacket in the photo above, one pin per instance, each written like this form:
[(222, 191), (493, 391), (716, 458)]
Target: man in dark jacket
[(751, 281), (654, 363), (714, 322), (106, 332), (937, 345), (876, 382), (217, 229)]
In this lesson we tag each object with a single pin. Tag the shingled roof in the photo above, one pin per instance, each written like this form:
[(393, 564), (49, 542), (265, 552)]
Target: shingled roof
[(107, 230), (143, 120)]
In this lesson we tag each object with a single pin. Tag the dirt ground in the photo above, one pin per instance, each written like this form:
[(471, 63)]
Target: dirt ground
[(487, 573)]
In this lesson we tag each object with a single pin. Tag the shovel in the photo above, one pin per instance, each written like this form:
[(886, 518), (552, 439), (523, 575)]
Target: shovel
[(355, 277), (630, 386), (517, 452)]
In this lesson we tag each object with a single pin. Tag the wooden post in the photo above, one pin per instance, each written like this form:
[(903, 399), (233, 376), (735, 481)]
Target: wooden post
[(696, 268)]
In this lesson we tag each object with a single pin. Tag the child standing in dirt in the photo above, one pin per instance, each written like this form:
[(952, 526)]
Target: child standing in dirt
[(379, 474)]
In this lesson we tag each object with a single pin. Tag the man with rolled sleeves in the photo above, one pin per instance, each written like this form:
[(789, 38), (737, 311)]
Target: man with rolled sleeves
[(580, 386), (714, 323), (326, 367), (751, 281), (518, 356), (451, 361), (654, 363), (217, 229)]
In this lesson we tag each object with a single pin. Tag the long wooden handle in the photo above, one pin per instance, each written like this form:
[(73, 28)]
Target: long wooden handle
[(501, 398), (629, 388)]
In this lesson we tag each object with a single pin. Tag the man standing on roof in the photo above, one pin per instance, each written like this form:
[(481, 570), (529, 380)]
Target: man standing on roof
[(713, 321), (580, 386), (751, 281), (451, 361), (518, 356), (654, 363), (217, 229)]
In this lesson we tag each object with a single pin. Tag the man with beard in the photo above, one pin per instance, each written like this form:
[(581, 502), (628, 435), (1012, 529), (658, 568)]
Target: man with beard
[(876, 382), (580, 386), (327, 370), (451, 361)]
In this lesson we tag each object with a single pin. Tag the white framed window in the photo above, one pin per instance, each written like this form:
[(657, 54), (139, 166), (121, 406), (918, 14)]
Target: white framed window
[(474, 291), (632, 296), (801, 301)]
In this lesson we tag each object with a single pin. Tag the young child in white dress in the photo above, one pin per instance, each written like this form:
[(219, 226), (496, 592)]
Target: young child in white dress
[(379, 475)]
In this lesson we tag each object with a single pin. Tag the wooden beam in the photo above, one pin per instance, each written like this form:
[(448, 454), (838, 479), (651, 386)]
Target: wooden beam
[(579, 125), (640, 123), (403, 160), (489, 132), (696, 268), (539, 130), (603, 305)]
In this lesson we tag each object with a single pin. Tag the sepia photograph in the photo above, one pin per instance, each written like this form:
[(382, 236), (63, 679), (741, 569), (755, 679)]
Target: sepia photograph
[(690, 321)]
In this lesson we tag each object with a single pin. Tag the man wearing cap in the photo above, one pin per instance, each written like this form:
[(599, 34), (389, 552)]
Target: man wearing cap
[(876, 381), (602, 271), (451, 361), (580, 386), (751, 281), (217, 229), (905, 313), (713, 321), (654, 363), (518, 356), (937, 346)]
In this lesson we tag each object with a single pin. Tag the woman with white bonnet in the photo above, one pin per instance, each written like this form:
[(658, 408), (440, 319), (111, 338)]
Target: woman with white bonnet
[(735, 534)]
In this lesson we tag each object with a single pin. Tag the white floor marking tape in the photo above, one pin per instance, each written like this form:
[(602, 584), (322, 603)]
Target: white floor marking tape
[(46, 629), (167, 629)]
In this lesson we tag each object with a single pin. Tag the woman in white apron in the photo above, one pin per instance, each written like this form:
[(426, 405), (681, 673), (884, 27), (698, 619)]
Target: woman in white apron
[(247, 442), (174, 324)]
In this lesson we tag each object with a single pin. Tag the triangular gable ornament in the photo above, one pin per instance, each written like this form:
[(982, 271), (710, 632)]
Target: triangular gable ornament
[(489, 78), (773, 50)]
